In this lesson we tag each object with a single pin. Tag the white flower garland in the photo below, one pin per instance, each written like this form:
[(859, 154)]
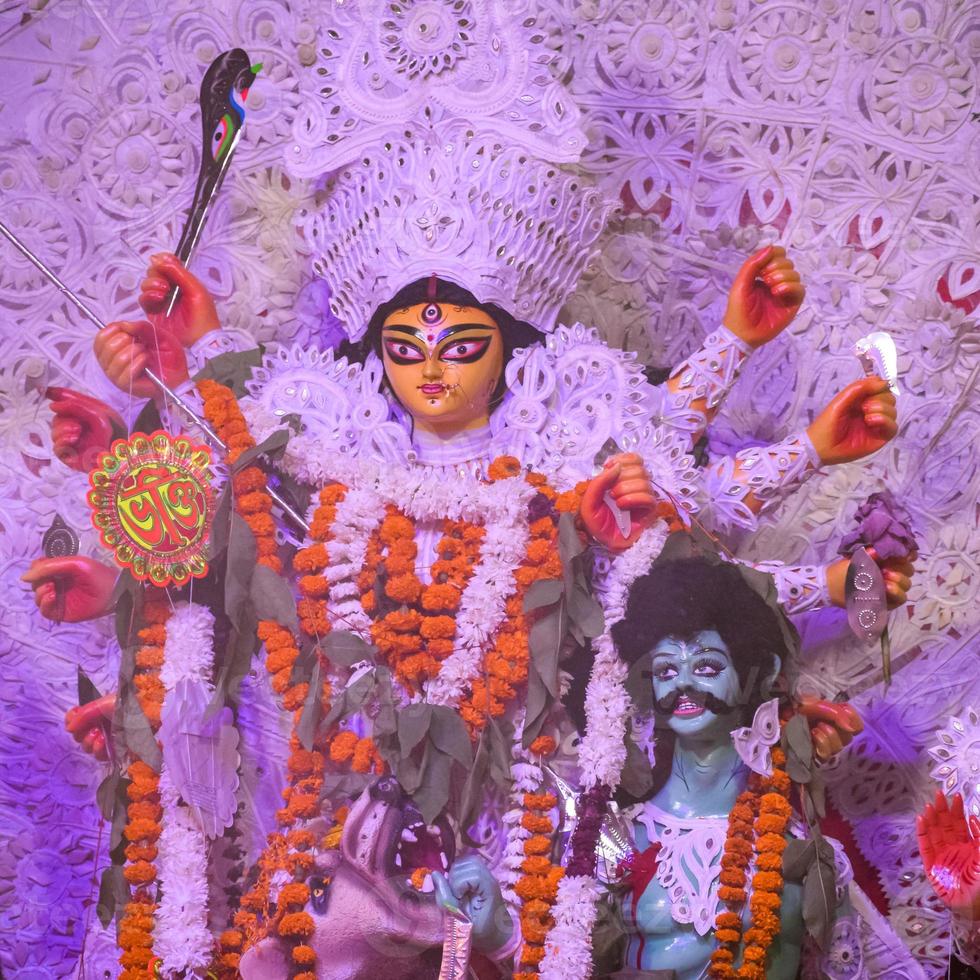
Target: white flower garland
[(602, 754), (181, 936), (568, 948), (425, 496)]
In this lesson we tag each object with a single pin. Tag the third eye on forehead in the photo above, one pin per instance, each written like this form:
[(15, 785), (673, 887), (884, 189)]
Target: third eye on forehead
[(433, 336)]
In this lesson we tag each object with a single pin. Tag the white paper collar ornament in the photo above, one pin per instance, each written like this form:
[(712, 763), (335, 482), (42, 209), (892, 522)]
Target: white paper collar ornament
[(754, 743), (443, 160)]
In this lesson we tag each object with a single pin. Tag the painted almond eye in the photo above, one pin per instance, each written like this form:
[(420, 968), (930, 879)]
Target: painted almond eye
[(403, 353), (708, 668), (665, 673), (466, 350)]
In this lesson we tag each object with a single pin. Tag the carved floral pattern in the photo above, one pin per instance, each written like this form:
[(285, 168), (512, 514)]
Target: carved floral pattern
[(843, 129)]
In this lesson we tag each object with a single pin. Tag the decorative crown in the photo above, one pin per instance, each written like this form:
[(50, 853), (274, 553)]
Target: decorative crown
[(444, 133)]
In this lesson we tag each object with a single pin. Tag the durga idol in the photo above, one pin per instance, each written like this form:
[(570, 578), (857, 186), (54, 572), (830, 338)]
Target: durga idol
[(477, 473)]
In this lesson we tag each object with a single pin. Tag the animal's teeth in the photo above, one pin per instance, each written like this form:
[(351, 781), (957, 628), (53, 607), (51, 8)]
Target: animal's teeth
[(398, 860), (407, 835), (427, 885), (445, 863)]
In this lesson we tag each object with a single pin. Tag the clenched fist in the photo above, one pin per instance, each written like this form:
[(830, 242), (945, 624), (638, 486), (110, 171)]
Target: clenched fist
[(90, 724), (625, 478), (194, 313), (71, 589), (897, 573), (126, 348), (857, 422), (833, 725), (82, 428), (765, 297)]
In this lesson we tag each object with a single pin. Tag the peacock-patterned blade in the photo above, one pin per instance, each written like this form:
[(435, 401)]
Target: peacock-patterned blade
[(223, 93)]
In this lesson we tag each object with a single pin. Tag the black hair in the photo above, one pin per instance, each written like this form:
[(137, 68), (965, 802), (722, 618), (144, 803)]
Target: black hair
[(514, 333), (686, 597), (681, 598)]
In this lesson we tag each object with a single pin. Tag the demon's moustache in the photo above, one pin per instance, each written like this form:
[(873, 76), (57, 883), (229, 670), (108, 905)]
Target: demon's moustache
[(703, 699)]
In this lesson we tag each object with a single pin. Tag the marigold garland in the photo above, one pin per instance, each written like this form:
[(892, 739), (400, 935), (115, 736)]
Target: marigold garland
[(756, 827), (143, 812), (506, 662), (284, 851), (537, 888)]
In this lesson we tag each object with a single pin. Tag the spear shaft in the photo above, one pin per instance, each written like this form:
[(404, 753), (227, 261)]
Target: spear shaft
[(87, 312)]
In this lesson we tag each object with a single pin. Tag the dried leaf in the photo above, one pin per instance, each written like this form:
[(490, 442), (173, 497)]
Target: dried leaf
[(232, 369), (542, 593), (273, 599), (346, 649), (87, 691), (113, 893), (413, 724), (309, 719), (269, 447), (449, 735)]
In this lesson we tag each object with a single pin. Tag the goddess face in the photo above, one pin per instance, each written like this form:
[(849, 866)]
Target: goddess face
[(696, 686), (443, 363)]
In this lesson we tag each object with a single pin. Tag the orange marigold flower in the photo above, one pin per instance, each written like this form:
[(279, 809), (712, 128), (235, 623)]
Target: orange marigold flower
[(728, 935), (767, 881), (733, 895), (137, 830), (504, 468), (728, 920), (311, 559), (403, 588), (149, 658), (532, 954), (765, 900), (296, 924), (260, 524), (140, 873), (769, 862), (314, 586), (232, 939), (257, 502), (248, 480), (543, 745), (154, 634), (540, 801), (403, 621), (342, 746), (437, 598), (537, 844), (363, 758), (568, 502), (771, 844), (294, 893), (304, 955), (281, 679), (438, 627)]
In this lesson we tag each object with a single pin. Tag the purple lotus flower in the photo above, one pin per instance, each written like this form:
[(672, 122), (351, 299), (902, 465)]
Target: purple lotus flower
[(884, 525)]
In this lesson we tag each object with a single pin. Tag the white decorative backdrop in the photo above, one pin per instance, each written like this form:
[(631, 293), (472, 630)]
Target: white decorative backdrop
[(849, 131)]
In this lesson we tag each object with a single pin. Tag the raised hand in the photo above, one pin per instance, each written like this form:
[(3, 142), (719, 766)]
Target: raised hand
[(833, 725), (858, 421), (82, 428), (950, 855), (470, 885), (126, 348), (626, 479), (194, 314), (71, 589), (765, 296), (90, 724), (897, 573)]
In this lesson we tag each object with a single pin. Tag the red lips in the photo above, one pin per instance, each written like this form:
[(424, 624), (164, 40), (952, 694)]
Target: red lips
[(432, 389)]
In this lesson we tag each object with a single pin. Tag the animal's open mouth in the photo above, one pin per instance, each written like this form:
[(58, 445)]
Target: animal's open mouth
[(421, 848)]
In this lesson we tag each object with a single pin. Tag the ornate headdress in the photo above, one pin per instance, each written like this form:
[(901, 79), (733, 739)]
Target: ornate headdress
[(444, 133)]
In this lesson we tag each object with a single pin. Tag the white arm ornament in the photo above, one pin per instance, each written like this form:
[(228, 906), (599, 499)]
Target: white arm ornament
[(698, 386), (966, 939), (799, 587), (215, 342), (761, 475)]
